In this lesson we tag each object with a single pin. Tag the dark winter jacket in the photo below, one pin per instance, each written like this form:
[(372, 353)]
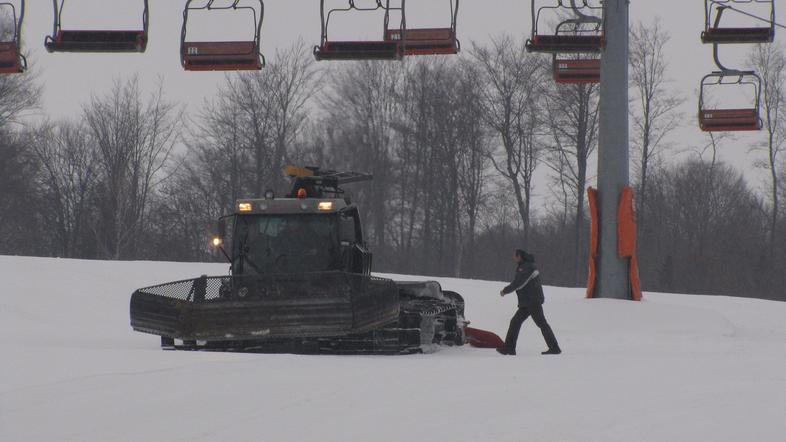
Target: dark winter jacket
[(527, 284)]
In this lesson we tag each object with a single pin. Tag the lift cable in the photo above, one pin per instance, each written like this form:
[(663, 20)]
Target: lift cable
[(753, 16)]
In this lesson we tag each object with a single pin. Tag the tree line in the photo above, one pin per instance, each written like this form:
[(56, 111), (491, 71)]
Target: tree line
[(472, 157)]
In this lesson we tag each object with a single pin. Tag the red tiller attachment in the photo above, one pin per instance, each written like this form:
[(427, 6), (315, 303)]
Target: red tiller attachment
[(483, 339)]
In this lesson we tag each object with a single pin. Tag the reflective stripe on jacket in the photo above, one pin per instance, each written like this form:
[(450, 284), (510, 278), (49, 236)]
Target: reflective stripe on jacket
[(527, 284)]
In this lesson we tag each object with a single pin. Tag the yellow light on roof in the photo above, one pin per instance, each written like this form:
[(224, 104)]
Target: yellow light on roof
[(326, 205), (295, 171), (244, 207)]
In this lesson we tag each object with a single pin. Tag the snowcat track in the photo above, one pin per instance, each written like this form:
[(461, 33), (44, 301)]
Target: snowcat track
[(423, 325), (325, 313)]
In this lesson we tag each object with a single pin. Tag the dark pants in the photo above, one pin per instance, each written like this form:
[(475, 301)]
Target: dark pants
[(540, 320)]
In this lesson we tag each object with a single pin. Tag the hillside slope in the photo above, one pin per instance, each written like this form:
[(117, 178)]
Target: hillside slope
[(670, 368)]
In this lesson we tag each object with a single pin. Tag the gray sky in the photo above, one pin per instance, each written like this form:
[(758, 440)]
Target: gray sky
[(70, 79)]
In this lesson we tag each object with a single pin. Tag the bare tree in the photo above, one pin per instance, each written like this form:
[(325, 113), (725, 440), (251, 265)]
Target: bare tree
[(511, 109), (266, 110), (417, 130), (296, 83), (472, 159), (411, 163), (134, 138), (68, 162), (778, 259), (770, 63), (426, 150), (573, 124), (699, 219), (360, 109), (240, 143), (441, 120), (432, 121), (243, 102), (656, 101), (215, 171), (219, 158), (20, 95), (18, 199)]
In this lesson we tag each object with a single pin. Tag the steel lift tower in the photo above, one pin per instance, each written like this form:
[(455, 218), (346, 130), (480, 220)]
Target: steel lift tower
[(613, 149)]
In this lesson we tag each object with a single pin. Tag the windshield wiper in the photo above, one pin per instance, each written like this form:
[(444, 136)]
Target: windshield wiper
[(244, 249)]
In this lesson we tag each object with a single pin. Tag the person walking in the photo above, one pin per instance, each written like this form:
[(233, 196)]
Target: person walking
[(527, 285)]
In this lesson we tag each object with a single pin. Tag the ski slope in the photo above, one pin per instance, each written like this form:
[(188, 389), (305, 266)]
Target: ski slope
[(672, 368)]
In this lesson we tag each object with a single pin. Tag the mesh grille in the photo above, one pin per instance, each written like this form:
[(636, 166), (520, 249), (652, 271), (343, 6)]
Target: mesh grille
[(268, 287), (265, 307)]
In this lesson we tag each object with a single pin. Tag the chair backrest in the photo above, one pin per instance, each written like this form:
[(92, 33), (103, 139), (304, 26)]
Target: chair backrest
[(718, 30), (223, 55), (105, 40)]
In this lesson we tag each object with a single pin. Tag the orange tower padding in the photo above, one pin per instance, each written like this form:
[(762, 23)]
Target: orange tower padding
[(626, 239), (592, 197), (626, 225), (635, 282)]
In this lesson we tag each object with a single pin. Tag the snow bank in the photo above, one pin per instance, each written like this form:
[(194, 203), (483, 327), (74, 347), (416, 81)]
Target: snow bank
[(673, 367)]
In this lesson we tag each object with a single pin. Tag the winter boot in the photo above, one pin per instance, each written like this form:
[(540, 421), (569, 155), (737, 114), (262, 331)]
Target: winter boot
[(506, 352), (552, 351)]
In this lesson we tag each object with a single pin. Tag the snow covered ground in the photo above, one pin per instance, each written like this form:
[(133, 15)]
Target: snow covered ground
[(672, 368)]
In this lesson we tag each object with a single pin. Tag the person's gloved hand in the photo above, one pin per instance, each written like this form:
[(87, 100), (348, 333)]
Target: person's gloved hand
[(502, 293)]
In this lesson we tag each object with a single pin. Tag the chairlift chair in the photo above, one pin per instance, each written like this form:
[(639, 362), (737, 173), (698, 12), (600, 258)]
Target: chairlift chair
[(576, 70), (429, 41), (714, 32), (385, 49), (582, 34), (11, 59), (63, 40), (223, 55), (713, 118)]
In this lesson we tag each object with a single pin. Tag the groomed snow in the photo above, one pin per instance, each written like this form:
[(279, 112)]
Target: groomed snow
[(672, 368)]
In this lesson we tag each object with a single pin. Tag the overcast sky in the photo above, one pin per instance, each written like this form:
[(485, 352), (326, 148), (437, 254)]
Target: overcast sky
[(70, 79)]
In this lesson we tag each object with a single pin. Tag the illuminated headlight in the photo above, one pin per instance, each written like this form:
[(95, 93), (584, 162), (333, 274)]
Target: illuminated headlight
[(244, 207), (326, 205), (216, 241)]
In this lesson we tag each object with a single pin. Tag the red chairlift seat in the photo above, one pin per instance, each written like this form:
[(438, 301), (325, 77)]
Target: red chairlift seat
[(564, 44), (11, 59), (738, 35), (358, 50), (96, 40), (582, 34), (714, 33), (429, 41), (386, 49), (729, 120), (576, 71), (434, 41), (222, 55), (713, 118)]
